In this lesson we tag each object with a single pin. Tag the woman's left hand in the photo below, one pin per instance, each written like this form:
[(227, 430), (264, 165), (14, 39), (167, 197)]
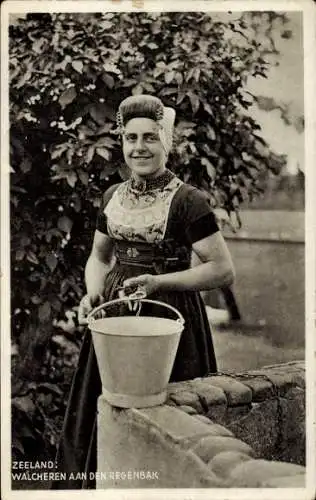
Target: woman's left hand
[(148, 282)]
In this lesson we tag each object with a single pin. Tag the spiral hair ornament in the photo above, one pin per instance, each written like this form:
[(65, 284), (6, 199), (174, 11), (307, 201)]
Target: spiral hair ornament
[(160, 113), (119, 122)]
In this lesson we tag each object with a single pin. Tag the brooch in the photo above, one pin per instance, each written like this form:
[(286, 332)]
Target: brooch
[(132, 252)]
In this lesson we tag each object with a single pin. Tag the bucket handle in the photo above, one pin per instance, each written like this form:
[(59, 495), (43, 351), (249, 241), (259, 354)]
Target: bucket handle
[(90, 317)]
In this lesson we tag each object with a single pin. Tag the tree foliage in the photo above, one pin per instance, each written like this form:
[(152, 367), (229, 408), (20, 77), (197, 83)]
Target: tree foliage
[(68, 73)]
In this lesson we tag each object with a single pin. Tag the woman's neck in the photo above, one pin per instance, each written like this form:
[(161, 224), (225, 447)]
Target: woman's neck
[(154, 175), (142, 183)]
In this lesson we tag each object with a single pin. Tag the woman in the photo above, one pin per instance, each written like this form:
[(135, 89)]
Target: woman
[(150, 225)]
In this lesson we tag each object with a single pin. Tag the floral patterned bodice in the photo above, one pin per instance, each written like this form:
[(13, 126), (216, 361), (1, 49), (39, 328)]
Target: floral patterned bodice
[(141, 214)]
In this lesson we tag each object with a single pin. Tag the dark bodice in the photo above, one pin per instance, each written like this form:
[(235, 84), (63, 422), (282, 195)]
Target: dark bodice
[(156, 224)]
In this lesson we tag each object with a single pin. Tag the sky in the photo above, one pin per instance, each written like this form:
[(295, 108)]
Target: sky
[(285, 84)]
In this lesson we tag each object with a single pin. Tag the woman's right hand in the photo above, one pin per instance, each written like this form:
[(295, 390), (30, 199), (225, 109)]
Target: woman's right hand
[(86, 305)]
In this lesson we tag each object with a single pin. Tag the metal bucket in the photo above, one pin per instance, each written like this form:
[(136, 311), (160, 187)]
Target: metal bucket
[(135, 353)]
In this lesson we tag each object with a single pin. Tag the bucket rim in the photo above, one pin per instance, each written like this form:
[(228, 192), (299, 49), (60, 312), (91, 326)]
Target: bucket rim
[(91, 319), (176, 327)]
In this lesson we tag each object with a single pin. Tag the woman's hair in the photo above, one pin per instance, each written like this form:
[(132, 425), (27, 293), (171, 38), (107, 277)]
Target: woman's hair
[(140, 106)]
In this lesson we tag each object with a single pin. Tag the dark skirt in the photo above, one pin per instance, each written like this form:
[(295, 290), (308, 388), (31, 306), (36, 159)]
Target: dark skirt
[(195, 358)]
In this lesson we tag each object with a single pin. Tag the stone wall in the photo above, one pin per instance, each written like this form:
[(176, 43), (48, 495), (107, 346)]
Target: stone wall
[(236, 430)]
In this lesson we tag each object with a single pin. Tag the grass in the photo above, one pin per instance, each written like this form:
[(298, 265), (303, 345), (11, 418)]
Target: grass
[(239, 351)]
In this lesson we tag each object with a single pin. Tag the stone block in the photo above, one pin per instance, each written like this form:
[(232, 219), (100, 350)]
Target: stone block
[(236, 392), (220, 430), (209, 394), (187, 398), (281, 380), (169, 402), (175, 387), (174, 423), (254, 473), (188, 409), (215, 429), (130, 440), (217, 413), (223, 463), (285, 482), (261, 388), (197, 379), (259, 428), (210, 446), (204, 419)]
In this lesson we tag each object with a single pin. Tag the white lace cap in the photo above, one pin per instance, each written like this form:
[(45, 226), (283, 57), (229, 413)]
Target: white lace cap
[(166, 129)]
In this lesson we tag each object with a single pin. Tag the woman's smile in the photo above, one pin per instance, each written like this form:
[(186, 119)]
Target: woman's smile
[(142, 157)]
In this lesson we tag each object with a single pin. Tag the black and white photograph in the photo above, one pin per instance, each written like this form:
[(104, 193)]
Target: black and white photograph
[(157, 249)]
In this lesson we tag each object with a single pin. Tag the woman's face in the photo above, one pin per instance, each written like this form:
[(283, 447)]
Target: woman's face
[(142, 147)]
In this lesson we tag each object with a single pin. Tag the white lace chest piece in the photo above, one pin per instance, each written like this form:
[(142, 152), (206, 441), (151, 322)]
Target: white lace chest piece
[(143, 217)]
